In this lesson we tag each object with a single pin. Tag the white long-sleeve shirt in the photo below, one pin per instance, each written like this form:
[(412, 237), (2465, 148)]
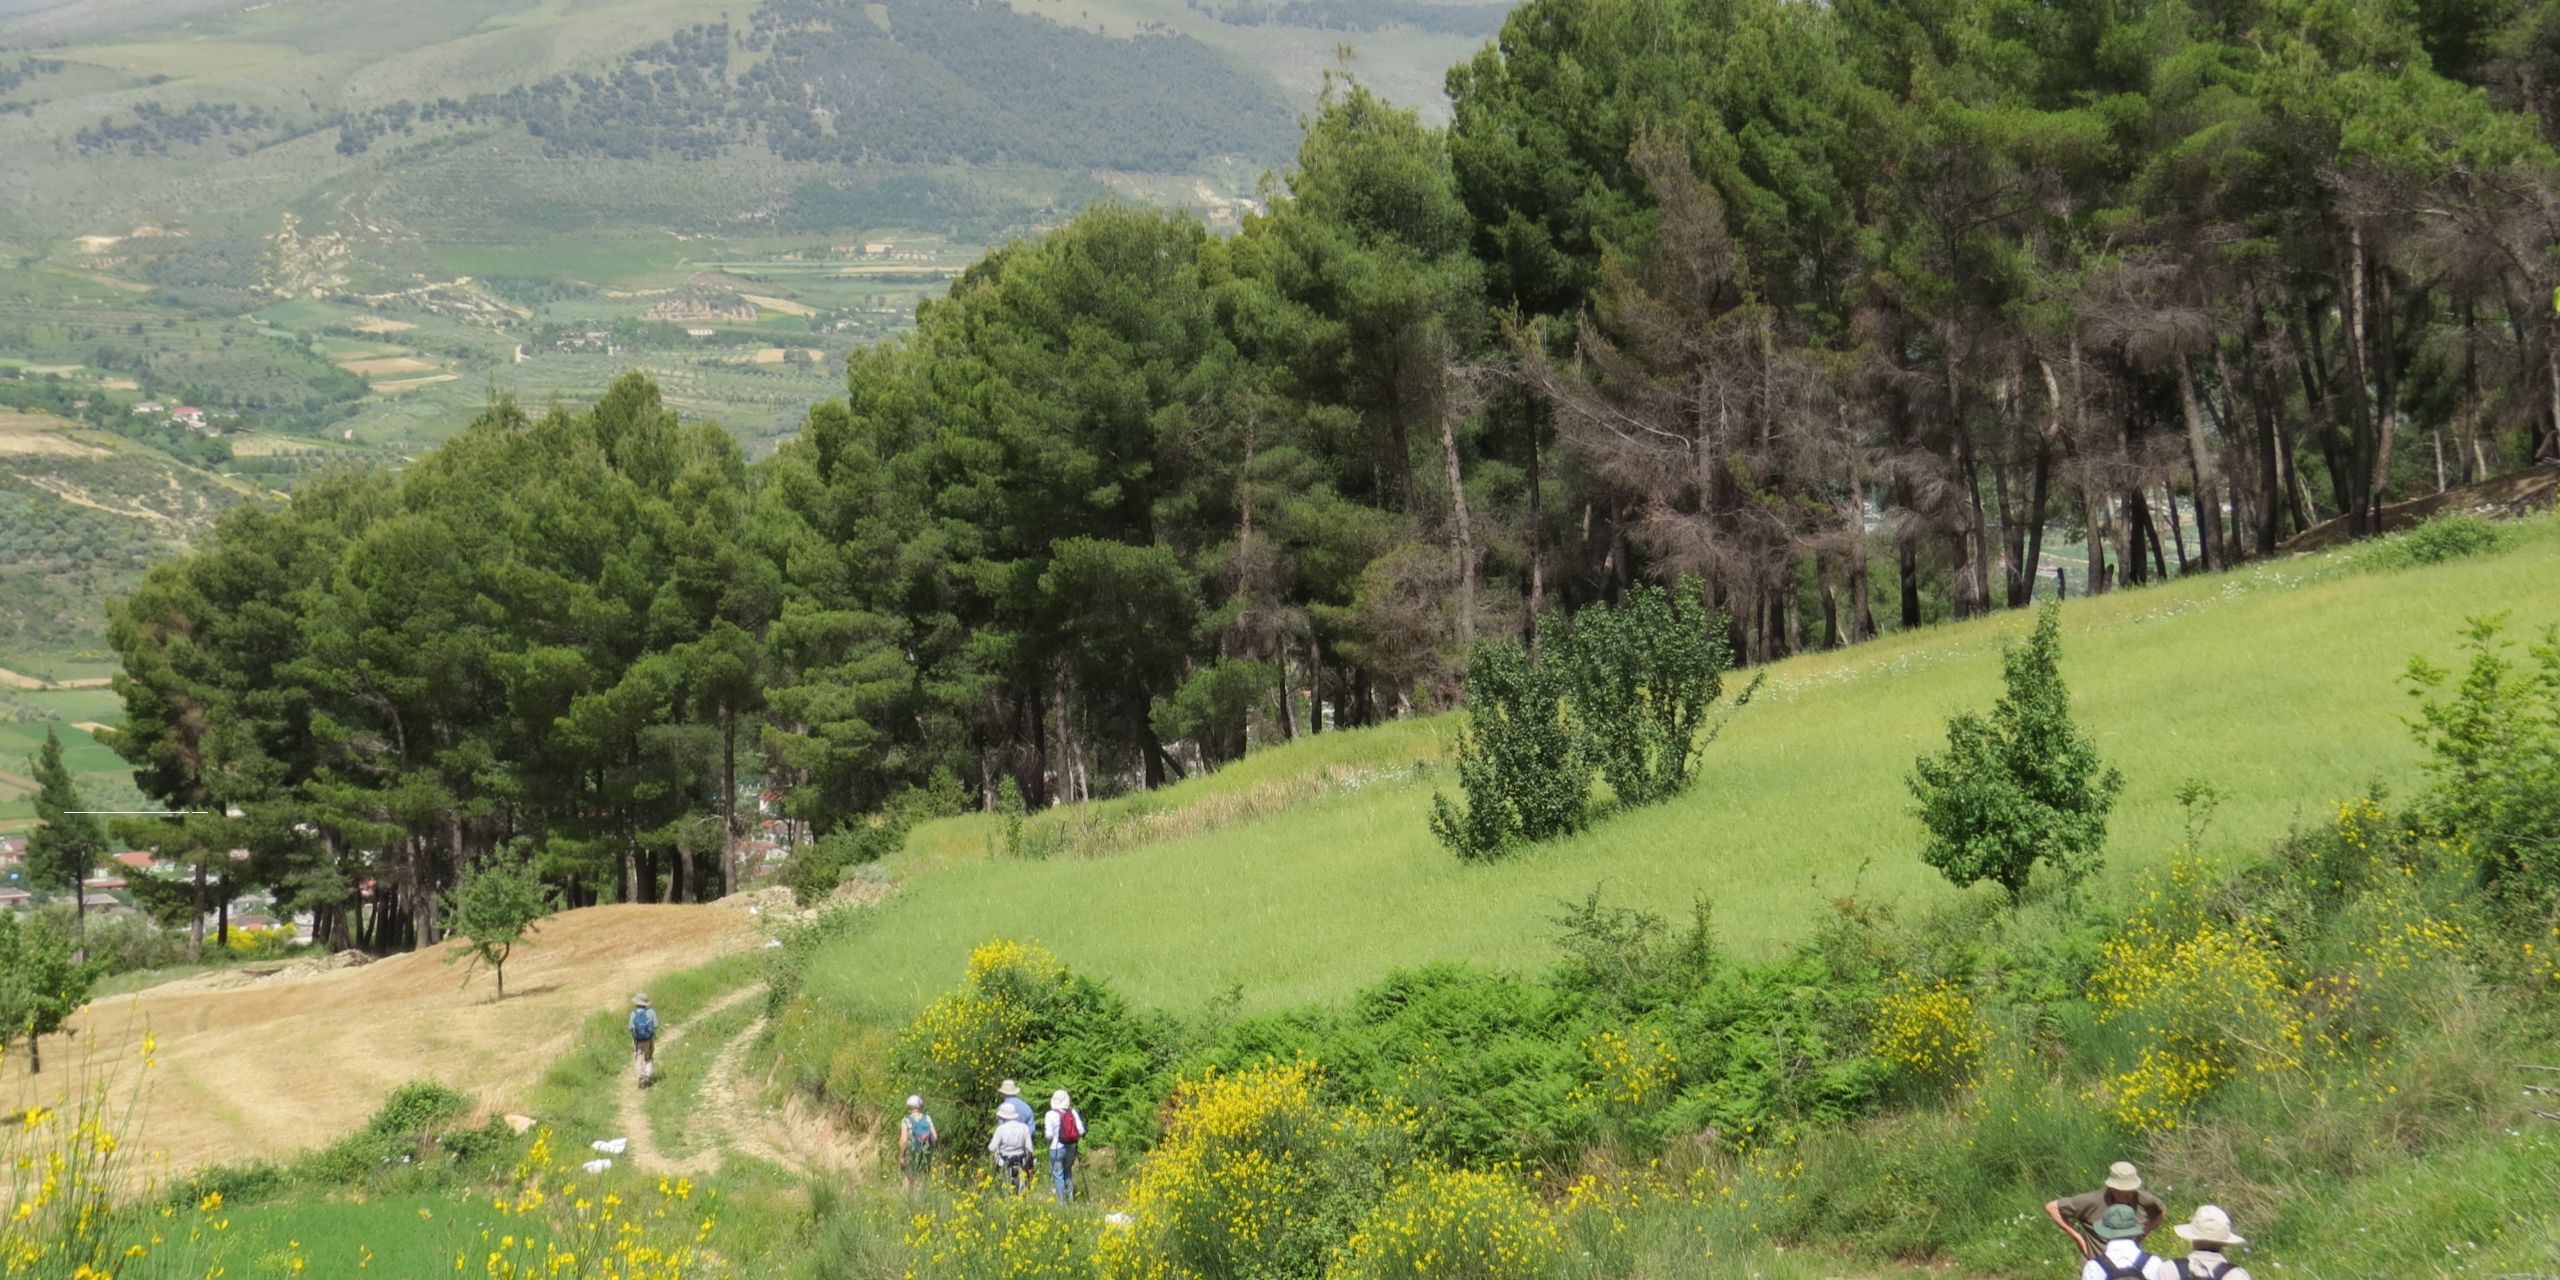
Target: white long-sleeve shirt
[(1012, 1141)]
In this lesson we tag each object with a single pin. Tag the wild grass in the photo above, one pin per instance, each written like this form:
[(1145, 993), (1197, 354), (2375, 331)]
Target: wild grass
[(683, 1068), (2275, 684), (578, 1096)]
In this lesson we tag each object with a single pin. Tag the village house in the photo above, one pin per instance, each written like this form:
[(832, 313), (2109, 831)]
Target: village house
[(188, 414), (150, 407)]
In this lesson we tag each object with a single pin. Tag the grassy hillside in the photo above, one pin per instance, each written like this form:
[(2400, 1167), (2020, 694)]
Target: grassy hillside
[(82, 513), (2278, 685)]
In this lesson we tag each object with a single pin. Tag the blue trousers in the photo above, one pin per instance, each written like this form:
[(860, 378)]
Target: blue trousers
[(1062, 1171)]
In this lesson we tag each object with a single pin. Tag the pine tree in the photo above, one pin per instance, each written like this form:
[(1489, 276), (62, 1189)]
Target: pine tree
[(65, 846)]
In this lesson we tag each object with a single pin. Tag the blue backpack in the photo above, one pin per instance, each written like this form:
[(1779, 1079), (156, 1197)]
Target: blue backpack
[(644, 1024)]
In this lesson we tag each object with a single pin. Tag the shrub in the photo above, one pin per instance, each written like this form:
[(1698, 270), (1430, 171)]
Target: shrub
[(1627, 959), (1020, 1013), (415, 1122), (1256, 1177), (1212, 707), (1521, 764), (2022, 787), (2493, 747), (1929, 1033), (261, 944), (2450, 536), (1644, 673), (2206, 997), (1454, 1223)]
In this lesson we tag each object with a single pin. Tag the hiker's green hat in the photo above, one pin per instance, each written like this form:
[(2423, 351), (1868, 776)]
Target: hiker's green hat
[(2119, 1222)]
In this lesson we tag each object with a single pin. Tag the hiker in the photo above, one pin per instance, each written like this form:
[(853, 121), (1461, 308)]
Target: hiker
[(2076, 1215), (1010, 1103), (915, 1143), (1011, 1147), (644, 1040), (2210, 1232), (2120, 1256), (1065, 1129)]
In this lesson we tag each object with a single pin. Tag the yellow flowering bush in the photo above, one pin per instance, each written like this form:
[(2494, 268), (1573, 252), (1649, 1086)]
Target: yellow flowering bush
[(2209, 999), (1256, 1177), (260, 944), (985, 1234), (1929, 1032), (1455, 1223), (1628, 1070), (1020, 1014)]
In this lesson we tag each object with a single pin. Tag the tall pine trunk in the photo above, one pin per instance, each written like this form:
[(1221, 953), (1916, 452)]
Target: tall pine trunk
[(2200, 461), (1462, 535)]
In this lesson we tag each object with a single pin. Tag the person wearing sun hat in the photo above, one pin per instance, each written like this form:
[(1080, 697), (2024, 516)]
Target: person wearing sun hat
[(2078, 1215), (2210, 1232), (1011, 1147), (644, 1040), (2120, 1255), (1009, 1103), (1064, 1128), (916, 1138)]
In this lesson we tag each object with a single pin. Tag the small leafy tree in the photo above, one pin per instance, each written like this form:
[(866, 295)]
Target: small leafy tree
[(1520, 762), (41, 985), (496, 907), (2021, 787), (1213, 707), (67, 843), (2493, 746), (1644, 674)]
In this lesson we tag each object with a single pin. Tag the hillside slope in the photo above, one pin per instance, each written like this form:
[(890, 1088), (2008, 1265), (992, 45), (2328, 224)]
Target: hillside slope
[(2277, 685), (249, 1067)]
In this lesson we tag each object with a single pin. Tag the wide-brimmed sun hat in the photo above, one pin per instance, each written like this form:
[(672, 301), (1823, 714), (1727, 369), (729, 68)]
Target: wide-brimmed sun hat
[(1010, 1089), (2119, 1222), (1059, 1101), (2122, 1176), (640, 1001), (915, 1102), (2210, 1226)]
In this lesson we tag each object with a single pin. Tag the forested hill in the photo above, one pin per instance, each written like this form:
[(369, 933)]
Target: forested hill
[(916, 81)]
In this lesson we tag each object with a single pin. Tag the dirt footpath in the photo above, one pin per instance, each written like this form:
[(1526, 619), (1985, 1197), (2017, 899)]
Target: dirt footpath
[(265, 1066)]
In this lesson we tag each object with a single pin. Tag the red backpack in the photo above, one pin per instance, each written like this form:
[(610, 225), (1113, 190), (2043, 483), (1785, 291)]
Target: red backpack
[(1070, 1127)]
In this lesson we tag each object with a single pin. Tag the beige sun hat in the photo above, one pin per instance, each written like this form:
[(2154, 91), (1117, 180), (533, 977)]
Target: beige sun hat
[(2210, 1226), (2122, 1176), (1058, 1101), (640, 1001), (1010, 1089)]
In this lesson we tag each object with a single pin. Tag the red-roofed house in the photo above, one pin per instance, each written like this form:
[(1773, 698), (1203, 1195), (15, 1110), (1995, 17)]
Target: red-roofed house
[(188, 414), (137, 859)]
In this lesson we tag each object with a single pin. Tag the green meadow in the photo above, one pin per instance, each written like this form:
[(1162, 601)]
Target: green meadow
[(2279, 685)]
